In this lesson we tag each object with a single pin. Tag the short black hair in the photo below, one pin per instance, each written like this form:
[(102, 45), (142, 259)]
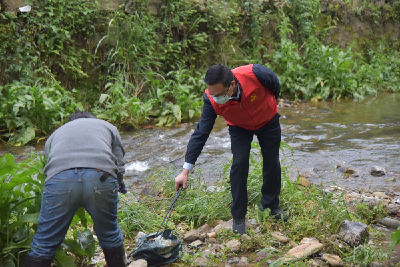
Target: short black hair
[(80, 114), (219, 74)]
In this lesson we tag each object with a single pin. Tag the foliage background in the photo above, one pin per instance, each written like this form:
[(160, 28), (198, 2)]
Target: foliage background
[(145, 61)]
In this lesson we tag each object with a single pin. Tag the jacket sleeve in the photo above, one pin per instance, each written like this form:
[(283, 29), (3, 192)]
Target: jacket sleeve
[(267, 78), (119, 153), (201, 133)]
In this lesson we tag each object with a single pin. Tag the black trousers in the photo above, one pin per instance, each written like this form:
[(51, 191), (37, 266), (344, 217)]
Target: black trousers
[(269, 137)]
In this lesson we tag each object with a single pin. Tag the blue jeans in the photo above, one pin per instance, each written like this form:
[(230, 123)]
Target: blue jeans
[(63, 194)]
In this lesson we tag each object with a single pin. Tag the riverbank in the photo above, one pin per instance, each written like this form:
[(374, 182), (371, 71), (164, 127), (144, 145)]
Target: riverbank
[(314, 235)]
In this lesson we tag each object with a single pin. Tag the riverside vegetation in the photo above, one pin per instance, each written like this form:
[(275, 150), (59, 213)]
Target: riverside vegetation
[(314, 213), (132, 67)]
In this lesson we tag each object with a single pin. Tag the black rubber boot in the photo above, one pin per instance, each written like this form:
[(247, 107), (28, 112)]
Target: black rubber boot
[(115, 257), (38, 262)]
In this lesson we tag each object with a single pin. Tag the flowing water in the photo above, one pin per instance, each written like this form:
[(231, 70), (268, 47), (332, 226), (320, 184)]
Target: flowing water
[(326, 136)]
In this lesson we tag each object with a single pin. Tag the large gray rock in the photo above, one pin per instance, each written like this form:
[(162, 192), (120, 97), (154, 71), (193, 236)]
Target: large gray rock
[(353, 233), (392, 209), (191, 236), (204, 229), (302, 251), (333, 260), (378, 171), (200, 262), (280, 237), (389, 222), (233, 245)]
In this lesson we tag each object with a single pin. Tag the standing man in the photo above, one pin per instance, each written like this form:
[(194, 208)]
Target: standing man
[(246, 98), (84, 168)]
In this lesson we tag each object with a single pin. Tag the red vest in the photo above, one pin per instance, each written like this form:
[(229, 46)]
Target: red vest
[(257, 105)]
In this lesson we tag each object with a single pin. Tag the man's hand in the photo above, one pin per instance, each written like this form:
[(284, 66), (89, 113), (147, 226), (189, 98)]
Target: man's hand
[(122, 188), (181, 180)]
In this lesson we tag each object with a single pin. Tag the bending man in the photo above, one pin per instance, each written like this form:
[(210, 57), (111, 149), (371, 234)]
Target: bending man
[(246, 98), (84, 168)]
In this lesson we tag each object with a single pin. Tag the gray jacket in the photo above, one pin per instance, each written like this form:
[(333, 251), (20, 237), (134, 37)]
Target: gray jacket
[(85, 143)]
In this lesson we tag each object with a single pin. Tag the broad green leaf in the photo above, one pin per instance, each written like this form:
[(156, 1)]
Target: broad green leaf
[(73, 246), (28, 134), (85, 238), (177, 112), (191, 113), (162, 120), (102, 98), (394, 239), (80, 215), (63, 259)]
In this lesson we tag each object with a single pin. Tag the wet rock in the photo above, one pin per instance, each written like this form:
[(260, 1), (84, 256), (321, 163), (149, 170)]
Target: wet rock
[(302, 251), (306, 240), (378, 171), (304, 182), (212, 241), (261, 255), (234, 260), (243, 262), (138, 263), (200, 262), (392, 209), (233, 245), (348, 170), (222, 225), (333, 260), (381, 195), (362, 190), (204, 229), (333, 189), (202, 237), (191, 236), (280, 237), (353, 233), (316, 263), (389, 222), (212, 235), (139, 235), (196, 243)]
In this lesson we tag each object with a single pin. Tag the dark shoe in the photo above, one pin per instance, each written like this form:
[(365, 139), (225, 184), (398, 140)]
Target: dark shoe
[(38, 262), (239, 226), (278, 214), (115, 257)]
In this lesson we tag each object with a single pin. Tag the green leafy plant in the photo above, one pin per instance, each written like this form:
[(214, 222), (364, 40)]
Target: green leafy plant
[(21, 186), (30, 112), (120, 107)]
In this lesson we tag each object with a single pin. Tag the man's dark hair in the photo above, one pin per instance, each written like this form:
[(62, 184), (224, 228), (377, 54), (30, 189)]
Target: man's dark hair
[(219, 74), (80, 114)]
